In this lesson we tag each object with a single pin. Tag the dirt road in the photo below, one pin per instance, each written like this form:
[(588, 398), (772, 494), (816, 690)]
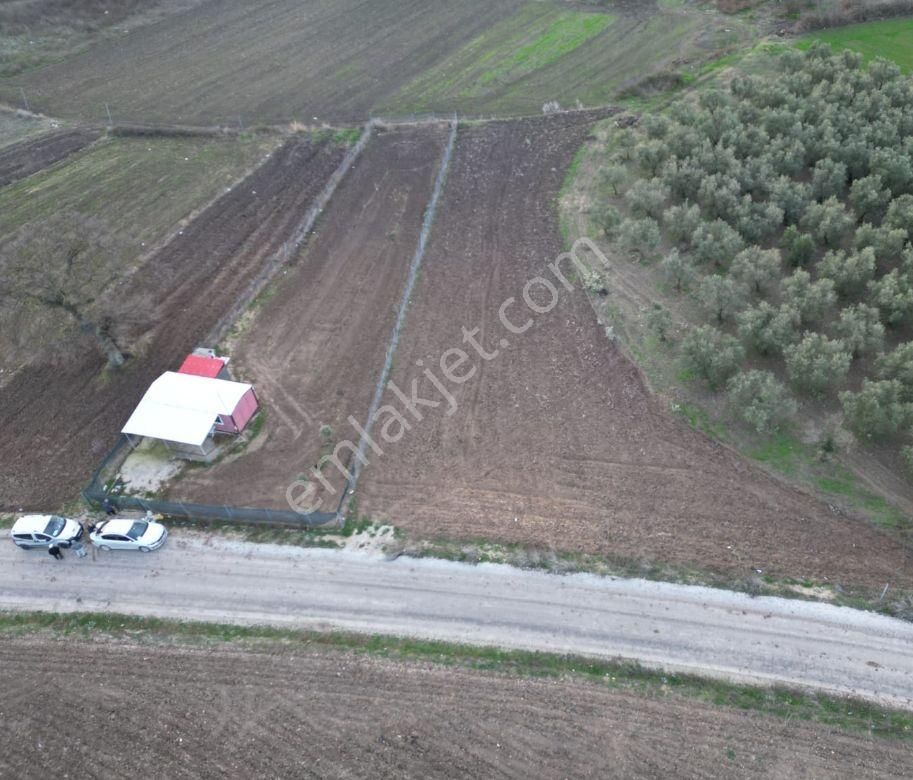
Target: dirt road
[(680, 628)]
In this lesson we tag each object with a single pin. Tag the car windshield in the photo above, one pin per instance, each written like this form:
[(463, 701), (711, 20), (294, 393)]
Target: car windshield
[(137, 530), (55, 526)]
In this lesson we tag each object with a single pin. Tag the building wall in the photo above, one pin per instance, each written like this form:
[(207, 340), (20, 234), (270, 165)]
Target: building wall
[(246, 408)]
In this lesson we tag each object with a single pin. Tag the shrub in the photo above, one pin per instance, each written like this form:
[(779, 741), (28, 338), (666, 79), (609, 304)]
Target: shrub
[(659, 320)]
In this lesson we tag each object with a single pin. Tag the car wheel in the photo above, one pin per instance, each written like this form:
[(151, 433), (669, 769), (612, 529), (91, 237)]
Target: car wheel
[(104, 547), (144, 549)]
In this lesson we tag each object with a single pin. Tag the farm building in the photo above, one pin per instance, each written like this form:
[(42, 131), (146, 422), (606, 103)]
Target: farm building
[(205, 365), (186, 410)]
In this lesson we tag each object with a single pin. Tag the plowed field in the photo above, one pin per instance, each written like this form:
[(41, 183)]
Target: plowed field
[(317, 348), (106, 709), (555, 440), (58, 420), (27, 157)]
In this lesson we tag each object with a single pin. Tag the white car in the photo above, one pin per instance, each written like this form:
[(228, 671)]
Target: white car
[(142, 535), (44, 530)]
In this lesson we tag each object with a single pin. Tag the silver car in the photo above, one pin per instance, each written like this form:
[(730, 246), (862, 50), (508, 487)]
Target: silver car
[(126, 534), (44, 530)]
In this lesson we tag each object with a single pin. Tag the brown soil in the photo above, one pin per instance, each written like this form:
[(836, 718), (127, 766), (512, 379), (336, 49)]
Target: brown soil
[(58, 420), (105, 709), (316, 350), (27, 157), (557, 442)]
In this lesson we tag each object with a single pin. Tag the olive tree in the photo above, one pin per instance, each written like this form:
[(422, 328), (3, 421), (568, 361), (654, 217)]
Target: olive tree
[(870, 198), (711, 354), (898, 364), (810, 299), (817, 363), (681, 221), (613, 176), (716, 243), (760, 399), (720, 296), (640, 236), (646, 198), (678, 268), (860, 328), (766, 329), (849, 273), (878, 410), (829, 179), (650, 155), (828, 222), (758, 269), (900, 214), (893, 295), (887, 243), (798, 248)]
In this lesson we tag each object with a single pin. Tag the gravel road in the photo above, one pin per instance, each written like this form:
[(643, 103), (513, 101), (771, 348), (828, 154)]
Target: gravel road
[(679, 628)]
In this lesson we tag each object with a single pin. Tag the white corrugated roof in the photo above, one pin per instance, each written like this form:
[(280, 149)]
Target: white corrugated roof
[(183, 407)]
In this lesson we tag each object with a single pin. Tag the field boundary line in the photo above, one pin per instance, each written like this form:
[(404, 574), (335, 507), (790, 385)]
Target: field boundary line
[(417, 258), (293, 244)]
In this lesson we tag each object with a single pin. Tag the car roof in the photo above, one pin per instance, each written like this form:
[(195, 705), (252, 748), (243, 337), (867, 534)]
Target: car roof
[(120, 525), (31, 524)]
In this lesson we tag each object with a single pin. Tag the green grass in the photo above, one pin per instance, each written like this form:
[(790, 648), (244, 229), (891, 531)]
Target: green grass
[(783, 453), (142, 186), (537, 36), (698, 419), (788, 456), (15, 127), (548, 53), (891, 39), (852, 715)]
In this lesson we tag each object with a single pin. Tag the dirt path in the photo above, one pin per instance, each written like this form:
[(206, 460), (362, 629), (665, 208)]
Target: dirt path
[(681, 628), (317, 349), (59, 420), (117, 708), (28, 157), (557, 441)]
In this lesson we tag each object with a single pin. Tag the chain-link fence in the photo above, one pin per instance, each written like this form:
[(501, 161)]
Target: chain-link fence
[(105, 485)]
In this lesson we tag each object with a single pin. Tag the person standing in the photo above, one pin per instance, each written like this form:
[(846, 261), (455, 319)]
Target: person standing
[(109, 507), (54, 550)]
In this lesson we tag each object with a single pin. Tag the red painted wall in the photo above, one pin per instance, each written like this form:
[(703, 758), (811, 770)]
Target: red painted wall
[(246, 408)]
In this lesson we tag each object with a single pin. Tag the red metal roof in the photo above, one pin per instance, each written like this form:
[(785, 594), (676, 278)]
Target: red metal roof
[(202, 366)]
